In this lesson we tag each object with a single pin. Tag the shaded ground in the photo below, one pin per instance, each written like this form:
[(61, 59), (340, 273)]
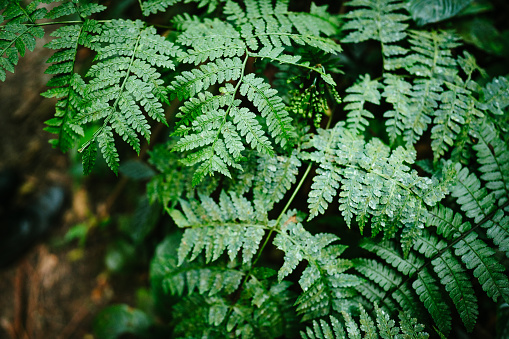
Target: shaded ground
[(54, 290)]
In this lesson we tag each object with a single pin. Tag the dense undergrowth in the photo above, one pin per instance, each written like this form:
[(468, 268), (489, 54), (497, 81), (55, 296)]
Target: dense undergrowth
[(327, 175)]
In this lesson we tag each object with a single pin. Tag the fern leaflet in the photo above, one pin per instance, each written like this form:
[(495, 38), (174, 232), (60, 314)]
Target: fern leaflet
[(388, 280), (495, 96), (493, 156), (323, 281), (125, 83), (385, 327), (83, 8), (451, 115), (67, 86), (424, 285), (274, 178), (217, 228), (366, 90), (452, 276), (263, 308), (383, 21), (19, 33), (474, 252), (478, 203)]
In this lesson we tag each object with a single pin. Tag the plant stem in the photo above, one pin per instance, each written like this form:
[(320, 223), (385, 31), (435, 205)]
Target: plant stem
[(278, 220), (70, 22), (299, 185)]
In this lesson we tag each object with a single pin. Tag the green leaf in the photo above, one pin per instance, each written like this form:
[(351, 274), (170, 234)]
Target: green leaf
[(117, 320), (217, 230), (365, 90), (323, 281), (123, 87), (425, 11), (89, 157)]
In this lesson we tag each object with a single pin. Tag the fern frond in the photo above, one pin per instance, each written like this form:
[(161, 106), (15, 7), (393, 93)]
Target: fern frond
[(431, 54), (204, 102), (376, 185), (493, 156), (125, 83), (263, 307), (323, 282), (265, 26), (211, 125), (214, 158), (209, 280), (474, 253), (373, 293), (365, 90), (83, 8), (367, 325), (210, 40), (271, 107), (451, 115), (479, 256), (376, 20), (397, 92), (424, 285), (324, 188), (250, 128), (18, 33), (410, 326), (475, 200), (478, 204), (229, 226), (385, 327), (397, 199), (189, 83), (67, 86), (495, 97), (70, 97), (154, 6), (322, 330), (274, 178), (430, 60), (452, 276), (425, 97), (326, 182), (200, 316), (351, 326), (107, 147), (383, 21), (260, 30), (388, 280), (225, 151)]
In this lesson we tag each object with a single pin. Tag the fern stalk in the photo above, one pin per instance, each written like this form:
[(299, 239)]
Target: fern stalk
[(278, 220), (288, 203), (267, 238)]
